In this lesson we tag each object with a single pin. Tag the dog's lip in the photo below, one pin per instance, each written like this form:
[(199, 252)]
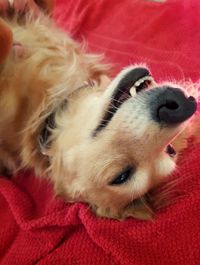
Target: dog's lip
[(170, 150), (121, 95), (127, 88), (141, 84)]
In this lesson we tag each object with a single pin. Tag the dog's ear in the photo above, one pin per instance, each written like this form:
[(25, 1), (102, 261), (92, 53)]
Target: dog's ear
[(6, 40), (46, 5)]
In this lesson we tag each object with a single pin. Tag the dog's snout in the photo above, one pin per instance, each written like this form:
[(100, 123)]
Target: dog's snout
[(172, 106)]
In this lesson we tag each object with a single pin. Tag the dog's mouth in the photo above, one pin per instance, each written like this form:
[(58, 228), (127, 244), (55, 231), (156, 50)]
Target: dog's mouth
[(130, 85), (136, 81)]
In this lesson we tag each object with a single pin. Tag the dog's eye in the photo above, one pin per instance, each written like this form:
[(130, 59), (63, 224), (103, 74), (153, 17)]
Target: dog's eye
[(123, 176)]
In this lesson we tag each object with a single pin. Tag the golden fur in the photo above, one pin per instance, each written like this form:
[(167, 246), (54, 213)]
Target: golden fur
[(34, 82)]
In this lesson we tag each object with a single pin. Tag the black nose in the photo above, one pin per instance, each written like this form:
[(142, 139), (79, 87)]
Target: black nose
[(173, 106)]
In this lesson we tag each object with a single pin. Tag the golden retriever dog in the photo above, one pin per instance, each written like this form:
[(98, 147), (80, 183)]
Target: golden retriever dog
[(106, 145)]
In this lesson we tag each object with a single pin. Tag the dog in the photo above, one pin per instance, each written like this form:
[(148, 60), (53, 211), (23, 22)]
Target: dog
[(105, 143)]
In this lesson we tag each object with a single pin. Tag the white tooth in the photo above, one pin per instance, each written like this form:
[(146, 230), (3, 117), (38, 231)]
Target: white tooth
[(148, 78), (142, 80), (138, 83), (133, 91)]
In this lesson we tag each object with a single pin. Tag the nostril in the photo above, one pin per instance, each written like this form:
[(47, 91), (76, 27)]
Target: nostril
[(170, 111), (171, 105)]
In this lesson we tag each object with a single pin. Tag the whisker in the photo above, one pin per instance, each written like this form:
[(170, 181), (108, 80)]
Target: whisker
[(111, 104), (116, 100), (111, 112)]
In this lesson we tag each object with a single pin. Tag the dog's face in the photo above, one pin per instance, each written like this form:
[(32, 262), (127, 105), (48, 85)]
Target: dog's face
[(115, 145)]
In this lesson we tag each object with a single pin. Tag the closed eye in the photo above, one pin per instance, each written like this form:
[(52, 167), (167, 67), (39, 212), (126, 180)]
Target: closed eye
[(124, 176)]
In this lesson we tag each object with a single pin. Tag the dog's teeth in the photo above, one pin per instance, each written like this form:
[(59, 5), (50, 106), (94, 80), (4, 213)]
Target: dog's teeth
[(142, 80), (138, 83), (133, 91)]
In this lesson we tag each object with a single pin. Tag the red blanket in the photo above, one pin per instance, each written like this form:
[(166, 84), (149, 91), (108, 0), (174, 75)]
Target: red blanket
[(35, 228)]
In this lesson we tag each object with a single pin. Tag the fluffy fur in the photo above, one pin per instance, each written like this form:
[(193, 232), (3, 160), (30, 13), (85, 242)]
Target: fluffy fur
[(41, 69)]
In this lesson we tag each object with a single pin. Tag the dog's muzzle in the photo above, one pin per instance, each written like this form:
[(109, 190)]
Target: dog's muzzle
[(170, 106), (135, 85)]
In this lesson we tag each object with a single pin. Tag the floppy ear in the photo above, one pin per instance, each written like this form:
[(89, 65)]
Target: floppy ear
[(46, 5), (6, 40)]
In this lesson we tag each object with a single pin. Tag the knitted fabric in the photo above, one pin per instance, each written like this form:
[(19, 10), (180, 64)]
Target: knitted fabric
[(36, 228)]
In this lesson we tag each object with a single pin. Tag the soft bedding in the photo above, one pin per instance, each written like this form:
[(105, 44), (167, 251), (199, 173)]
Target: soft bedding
[(36, 228)]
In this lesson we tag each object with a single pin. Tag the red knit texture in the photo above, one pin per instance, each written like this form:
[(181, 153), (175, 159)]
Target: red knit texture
[(36, 228)]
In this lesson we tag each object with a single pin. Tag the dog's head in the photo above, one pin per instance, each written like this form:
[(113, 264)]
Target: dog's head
[(115, 146)]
